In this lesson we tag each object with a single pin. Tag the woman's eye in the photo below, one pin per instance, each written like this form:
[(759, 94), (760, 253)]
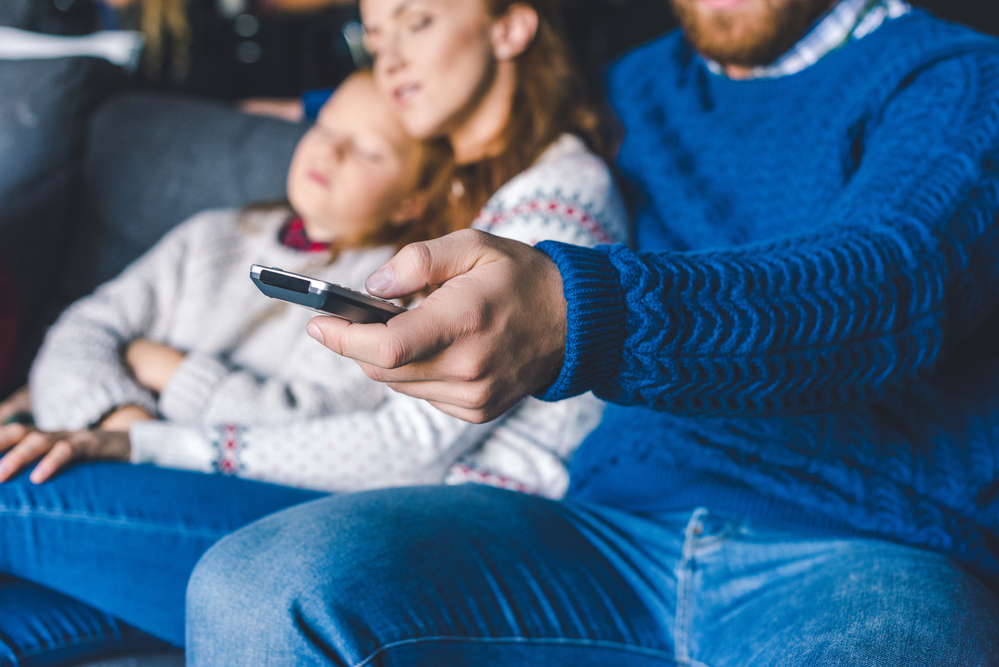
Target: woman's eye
[(420, 22)]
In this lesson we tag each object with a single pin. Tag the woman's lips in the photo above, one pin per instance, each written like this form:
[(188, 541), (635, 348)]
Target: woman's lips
[(404, 93), (319, 178)]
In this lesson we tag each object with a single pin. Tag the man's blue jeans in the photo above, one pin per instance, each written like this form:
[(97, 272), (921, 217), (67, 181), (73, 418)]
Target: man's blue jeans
[(479, 576), (121, 538)]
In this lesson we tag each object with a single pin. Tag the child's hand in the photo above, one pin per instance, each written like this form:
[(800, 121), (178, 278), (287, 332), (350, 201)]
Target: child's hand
[(56, 450), (152, 364), (123, 418), (18, 402)]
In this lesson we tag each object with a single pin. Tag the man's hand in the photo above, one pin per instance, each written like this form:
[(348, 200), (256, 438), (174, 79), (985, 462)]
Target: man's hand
[(493, 333), (152, 364), (56, 450)]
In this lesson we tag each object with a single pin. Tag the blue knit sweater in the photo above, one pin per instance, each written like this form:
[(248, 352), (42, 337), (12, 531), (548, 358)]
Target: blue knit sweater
[(810, 331)]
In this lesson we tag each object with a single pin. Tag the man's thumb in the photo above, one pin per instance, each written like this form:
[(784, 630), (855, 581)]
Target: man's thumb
[(420, 265)]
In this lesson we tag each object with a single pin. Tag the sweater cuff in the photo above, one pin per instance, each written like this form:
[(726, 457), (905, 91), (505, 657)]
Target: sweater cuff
[(594, 318), (170, 445), (87, 408), (186, 396)]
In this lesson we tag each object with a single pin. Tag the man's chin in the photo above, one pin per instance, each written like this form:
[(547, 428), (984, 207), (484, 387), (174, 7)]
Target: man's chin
[(746, 32), (723, 5)]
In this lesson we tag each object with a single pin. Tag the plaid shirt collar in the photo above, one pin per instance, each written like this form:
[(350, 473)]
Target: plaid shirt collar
[(848, 21), (293, 235)]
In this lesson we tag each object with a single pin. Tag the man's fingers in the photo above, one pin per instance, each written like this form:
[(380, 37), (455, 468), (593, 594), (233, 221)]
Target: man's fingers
[(29, 449), (61, 455), (475, 402), (434, 262), (406, 338), (471, 416)]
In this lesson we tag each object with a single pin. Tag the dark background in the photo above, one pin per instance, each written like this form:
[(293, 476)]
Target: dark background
[(294, 53)]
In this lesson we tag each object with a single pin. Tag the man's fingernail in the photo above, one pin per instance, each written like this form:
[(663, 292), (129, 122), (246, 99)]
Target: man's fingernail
[(315, 333), (380, 280)]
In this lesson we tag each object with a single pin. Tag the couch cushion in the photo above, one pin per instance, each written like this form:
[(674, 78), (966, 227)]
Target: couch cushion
[(44, 110)]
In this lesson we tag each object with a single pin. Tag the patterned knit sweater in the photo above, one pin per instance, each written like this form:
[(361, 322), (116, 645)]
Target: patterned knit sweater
[(809, 334), (257, 397)]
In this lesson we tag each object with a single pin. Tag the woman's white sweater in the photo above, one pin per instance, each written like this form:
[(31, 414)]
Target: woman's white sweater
[(256, 397)]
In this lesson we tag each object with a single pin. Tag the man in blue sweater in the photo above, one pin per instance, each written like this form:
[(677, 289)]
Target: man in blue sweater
[(800, 463)]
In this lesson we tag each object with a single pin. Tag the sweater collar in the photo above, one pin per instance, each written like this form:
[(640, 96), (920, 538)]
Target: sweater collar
[(294, 236), (848, 21)]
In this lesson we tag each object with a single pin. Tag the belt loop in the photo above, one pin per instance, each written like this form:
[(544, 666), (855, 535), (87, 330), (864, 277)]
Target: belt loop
[(695, 527)]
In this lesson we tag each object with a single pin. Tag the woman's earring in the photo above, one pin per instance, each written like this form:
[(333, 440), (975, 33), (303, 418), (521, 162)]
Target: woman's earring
[(503, 53)]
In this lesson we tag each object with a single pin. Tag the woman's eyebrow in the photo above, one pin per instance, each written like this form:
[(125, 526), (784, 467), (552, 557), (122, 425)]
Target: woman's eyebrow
[(402, 6)]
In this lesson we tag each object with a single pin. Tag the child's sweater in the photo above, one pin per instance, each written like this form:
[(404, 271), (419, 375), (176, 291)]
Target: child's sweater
[(257, 397)]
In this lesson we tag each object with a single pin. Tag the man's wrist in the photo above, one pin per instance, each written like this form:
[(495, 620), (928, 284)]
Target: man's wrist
[(595, 319)]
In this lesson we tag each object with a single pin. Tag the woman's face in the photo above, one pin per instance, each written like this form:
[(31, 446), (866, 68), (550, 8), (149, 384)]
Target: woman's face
[(434, 59), (355, 169)]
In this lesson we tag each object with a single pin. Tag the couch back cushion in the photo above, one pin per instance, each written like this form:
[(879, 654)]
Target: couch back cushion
[(155, 159), (45, 107)]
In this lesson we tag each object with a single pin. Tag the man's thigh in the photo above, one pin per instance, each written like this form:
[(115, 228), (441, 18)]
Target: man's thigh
[(422, 576), (772, 598)]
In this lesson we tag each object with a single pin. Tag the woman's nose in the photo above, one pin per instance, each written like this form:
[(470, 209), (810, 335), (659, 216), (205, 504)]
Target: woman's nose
[(390, 58)]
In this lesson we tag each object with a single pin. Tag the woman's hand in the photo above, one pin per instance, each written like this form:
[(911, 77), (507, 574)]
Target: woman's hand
[(492, 334), (152, 364), (56, 450), (18, 402), (291, 110)]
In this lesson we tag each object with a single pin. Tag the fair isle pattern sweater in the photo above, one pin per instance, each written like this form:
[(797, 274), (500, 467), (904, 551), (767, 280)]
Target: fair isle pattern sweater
[(257, 397), (808, 334)]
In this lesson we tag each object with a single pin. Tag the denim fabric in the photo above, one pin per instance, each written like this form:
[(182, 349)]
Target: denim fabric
[(121, 538), (42, 627), (479, 576)]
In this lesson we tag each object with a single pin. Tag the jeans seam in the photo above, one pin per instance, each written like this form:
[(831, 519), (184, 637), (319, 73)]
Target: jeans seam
[(681, 633), (628, 648), (137, 524)]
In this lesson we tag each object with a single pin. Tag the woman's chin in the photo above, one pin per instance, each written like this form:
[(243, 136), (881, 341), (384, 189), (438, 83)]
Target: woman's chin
[(419, 125)]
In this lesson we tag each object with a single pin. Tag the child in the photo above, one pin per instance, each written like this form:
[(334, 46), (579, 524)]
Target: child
[(207, 374)]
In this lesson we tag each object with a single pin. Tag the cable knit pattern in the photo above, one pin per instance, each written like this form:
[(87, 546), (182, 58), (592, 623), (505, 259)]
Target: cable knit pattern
[(802, 337), (399, 440)]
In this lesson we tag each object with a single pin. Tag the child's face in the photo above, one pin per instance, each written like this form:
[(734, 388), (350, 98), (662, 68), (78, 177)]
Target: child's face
[(355, 170)]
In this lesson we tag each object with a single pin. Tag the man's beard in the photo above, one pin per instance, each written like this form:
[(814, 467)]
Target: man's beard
[(756, 34)]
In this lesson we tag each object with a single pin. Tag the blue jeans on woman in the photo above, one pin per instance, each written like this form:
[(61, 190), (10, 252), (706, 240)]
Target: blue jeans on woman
[(479, 576), (96, 561)]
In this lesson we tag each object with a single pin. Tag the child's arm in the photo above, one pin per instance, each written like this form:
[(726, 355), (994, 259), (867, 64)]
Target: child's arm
[(208, 389), (405, 441), (78, 376)]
